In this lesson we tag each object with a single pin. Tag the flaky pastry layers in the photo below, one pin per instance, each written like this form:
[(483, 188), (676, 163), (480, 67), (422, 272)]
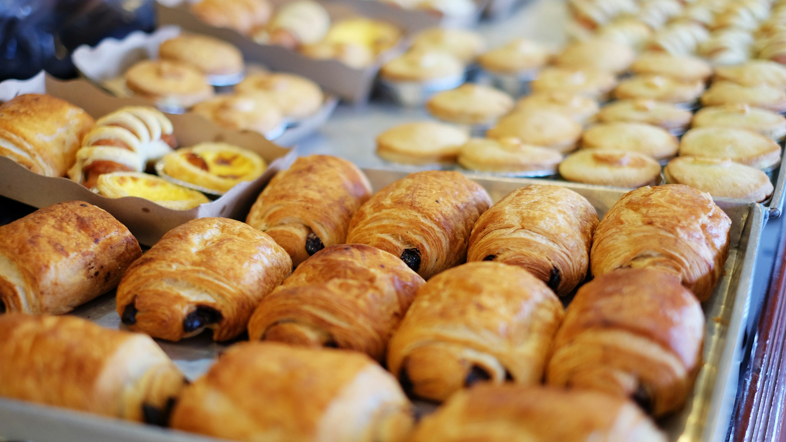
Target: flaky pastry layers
[(425, 218), (544, 229), (72, 363), (671, 228), (62, 256), (206, 273), (278, 393), (481, 321), (345, 296)]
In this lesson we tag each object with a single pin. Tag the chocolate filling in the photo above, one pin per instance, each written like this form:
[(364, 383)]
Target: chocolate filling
[(405, 381), (2, 306), (476, 375), (331, 344), (554, 279), (490, 258), (313, 244), (201, 317), (411, 258), (508, 376), (642, 397), (129, 314), (158, 416)]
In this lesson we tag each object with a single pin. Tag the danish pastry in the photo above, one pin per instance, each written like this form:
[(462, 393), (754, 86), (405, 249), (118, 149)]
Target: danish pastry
[(169, 83), (210, 55), (216, 166), (297, 97), (257, 112)]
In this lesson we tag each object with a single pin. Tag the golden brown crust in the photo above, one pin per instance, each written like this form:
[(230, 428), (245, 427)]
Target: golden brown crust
[(296, 96), (546, 128), (241, 15), (597, 53), (345, 296), (610, 167), (649, 140), (672, 228), (470, 104), (257, 112), (170, 82), (277, 393), (544, 229), (423, 142), (631, 332), (507, 155), (720, 178), (425, 218), (740, 145), (763, 96), (206, 273), (659, 88), (210, 55), (62, 256), (665, 115), (309, 206), (476, 322)]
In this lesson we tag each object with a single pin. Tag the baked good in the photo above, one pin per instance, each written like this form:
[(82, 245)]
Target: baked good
[(309, 206), (42, 133), (634, 333), (297, 97), (631, 137), (659, 88), (169, 83), (739, 145), (68, 362), (628, 31), (657, 13), (742, 116), (294, 24), (345, 296), (375, 35), (682, 68), (754, 73), (423, 65), (507, 155), (580, 108), (542, 228), (257, 112), (149, 187), (353, 55), (470, 104), (62, 256), (463, 44), (587, 82), (423, 142), (272, 392), (210, 55), (744, 15), (726, 92), (592, 14), (206, 273), (215, 166), (720, 178), (680, 38), (546, 128), (664, 115), (673, 228), (517, 57), (727, 47), (529, 413), (482, 321), (610, 167), (241, 15), (425, 218), (598, 53)]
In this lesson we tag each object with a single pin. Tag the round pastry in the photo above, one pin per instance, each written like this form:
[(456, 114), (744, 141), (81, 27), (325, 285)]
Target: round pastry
[(726, 92), (754, 73), (545, 128), (631, 137), (470, 104), (610, 167), (376, 35), (665, 115), (720, 178), (241, 15), (601, 54), (508, 155), (149, 187), (679, 38), (295, 23), (215, 166), (421, 143), (517, 57), (351, 54), (739, 145), (682, 68), (742, 116), (727, 47), (422, 66), (580, 108), (257, 112), (169, 82), (210, 55), (297, 97), (660, 88), (628, 31), (587, 82), (592, 14), (463, 44)]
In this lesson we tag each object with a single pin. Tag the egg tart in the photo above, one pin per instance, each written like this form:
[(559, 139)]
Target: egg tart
[(214, 166), (150, 187)]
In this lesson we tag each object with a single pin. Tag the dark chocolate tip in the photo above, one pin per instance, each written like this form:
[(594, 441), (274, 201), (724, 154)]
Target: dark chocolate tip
[(158, 416), (642, 397), (129, 314), (331, 344), (405, 381), (476, 375), (554, 279), (2, 306), (411, 258), (508, 376), (313, 244), (490, 258), (201, 317)]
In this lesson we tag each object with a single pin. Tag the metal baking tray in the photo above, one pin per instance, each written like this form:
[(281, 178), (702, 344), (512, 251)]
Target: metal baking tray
[(705, 417)]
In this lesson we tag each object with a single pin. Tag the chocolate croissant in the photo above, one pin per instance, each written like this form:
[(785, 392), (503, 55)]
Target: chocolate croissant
[(525, 413), (308, 207), (672, 228), (481, 321), (634, 332), (69, 362), (277, 393), (544, 229), (346, 296), (207, 273), (62, 256), (425, 218)]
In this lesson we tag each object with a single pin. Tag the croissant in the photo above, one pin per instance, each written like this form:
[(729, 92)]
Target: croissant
[(525, 413), (632, 332), (672, 228), (346, 296), (207, 273), (69, 362), (62, 256), (425, 218), (544, 229), (309, 206), (277, 393)]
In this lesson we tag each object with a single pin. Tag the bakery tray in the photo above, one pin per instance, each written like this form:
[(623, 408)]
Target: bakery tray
[(705, 417)]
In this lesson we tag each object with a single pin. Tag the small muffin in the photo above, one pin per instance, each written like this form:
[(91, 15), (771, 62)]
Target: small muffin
[(739, 145), (631, 137), (149, 187), (470, 104), (659, 88), (169, 82), (580, 108), (545, 128), (518, 57), (609, 167), (682, 68), (508, 155), (754, 73), (215, 166), (726, 92), (424, 142), (241, 15), (720, 178), (587, 82), (742, 116), (464, 45), (210, 55), (420, 66), (601, 54), (665, 115), (297, 97), (257, 112)]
